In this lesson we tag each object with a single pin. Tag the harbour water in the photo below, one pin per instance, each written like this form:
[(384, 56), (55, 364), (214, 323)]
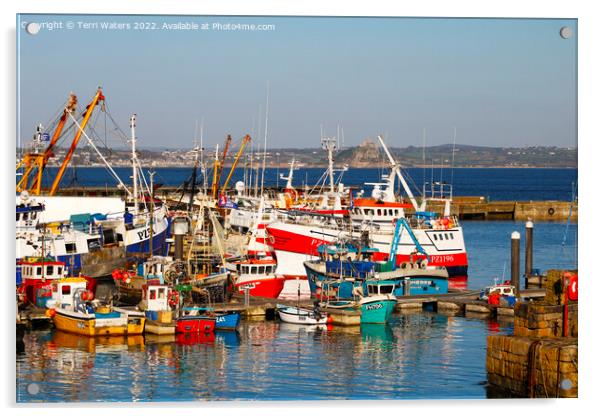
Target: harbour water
[(417, 356), (505, 184)]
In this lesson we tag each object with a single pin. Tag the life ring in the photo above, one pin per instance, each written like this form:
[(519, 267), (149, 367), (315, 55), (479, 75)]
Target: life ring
[(174, 299), (551, 211)]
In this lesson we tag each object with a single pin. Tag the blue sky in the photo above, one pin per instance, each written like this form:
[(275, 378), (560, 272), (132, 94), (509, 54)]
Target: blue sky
[(500, 82)]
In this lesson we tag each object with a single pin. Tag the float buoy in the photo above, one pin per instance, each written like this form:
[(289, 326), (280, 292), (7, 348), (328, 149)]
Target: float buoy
[(174, 299)]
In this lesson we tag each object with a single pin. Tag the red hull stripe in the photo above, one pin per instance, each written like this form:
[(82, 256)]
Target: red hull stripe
[(268, 288), (295, 243)]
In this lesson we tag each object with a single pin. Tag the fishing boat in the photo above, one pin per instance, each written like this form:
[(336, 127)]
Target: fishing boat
[(379, 303), (227, 321), (90, 234), (374, 219), (501, 290), (300, 316), (257, 276), (38, 274), (347, 266), (158, 299), (194, 319), (73, 309), (130, 283)]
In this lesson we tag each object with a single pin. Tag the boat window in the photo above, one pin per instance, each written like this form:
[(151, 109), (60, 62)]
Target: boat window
[(59, 271), (260, 270), (152, 294), (18, 216), (386, 289), (25, 216), (370, 212), (38, 271), (451, 236), (371, 289), (70, 247), (49, 270), (396, 212), (66, 290), (446, 236), (435, 237), (33, 215), (253, 270), (391, 212)]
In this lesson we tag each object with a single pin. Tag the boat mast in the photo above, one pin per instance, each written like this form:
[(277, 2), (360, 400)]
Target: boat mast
[(289, 178), (152, 212), (134, 168), (265, 134), (395, 167), (330, 145)]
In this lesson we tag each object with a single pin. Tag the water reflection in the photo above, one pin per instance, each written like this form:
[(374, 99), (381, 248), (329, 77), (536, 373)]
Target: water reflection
[(416, 355)]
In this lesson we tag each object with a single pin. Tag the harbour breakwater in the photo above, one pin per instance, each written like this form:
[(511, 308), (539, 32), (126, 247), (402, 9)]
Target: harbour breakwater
[(465, 207)]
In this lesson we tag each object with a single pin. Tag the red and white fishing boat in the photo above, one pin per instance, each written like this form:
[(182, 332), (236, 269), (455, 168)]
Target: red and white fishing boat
[(372, 219), (38, 274), (259, 277)]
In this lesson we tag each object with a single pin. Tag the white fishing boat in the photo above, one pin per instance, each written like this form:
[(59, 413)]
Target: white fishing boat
[(300, 316)]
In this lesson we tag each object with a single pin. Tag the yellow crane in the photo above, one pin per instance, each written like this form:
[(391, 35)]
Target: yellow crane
[(89, 109), (36, 160), (245, 140), (218, 166)]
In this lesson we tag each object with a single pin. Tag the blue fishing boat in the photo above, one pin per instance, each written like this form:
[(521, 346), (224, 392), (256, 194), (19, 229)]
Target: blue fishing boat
[(377, 307), (227, 321), (347, 267)]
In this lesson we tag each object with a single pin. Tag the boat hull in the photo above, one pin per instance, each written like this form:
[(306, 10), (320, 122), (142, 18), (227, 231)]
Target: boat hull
[(422, 282), (377, 311), (93, 326), (300, 316), (227, 321), (195, 324), (266, 288)]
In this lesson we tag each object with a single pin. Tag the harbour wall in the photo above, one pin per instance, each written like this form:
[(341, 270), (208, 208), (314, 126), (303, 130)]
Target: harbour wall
[(537, 360), (465, 207)]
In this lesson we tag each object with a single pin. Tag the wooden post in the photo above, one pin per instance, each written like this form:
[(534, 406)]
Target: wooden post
[(515, 260), (528, 252)]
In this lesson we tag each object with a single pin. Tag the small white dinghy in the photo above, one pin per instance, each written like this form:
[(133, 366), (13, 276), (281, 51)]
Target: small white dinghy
[(300, 316)]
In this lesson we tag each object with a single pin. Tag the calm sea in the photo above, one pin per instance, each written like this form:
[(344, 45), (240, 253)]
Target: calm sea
[(496, 184)]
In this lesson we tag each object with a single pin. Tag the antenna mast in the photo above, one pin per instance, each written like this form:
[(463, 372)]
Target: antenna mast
[(134, 168), (330, 145), (265, 133)]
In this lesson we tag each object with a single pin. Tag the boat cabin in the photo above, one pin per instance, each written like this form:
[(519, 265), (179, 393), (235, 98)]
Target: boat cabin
[(152, 269), (382, 213), (380, 288), (262, 267), (41, 269), (156, 297), (64, 290)]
